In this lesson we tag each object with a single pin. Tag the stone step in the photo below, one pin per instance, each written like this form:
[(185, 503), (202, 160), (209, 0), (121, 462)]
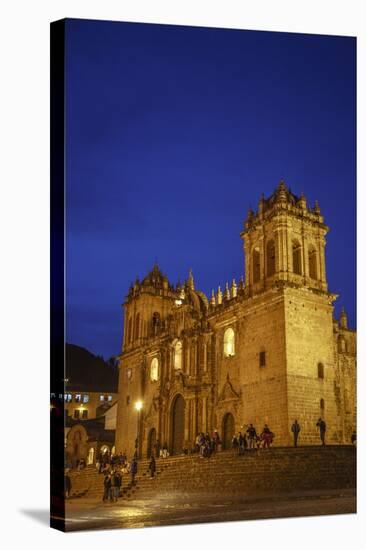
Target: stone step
[(269, 470)]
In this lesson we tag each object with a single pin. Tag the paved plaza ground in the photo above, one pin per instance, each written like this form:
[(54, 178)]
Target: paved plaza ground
[(82, 514)]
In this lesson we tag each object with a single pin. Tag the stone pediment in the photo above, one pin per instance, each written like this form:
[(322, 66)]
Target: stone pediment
[(228, 393)]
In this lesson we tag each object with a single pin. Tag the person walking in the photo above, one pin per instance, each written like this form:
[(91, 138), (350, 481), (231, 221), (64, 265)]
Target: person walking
[(115, 486), (107, 488), (267, 437), (295, 428), (241, 443), (67, 485), (322, 429), (215, 440), (152, 466), (133, 470), (119, 477), (252, 436)]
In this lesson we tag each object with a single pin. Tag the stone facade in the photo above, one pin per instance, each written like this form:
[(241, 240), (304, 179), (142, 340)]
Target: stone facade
[(267, 350)]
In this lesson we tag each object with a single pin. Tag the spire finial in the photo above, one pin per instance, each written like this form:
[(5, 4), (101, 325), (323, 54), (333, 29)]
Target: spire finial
[(281, 191), (227, 291), (302, 201), (343, 320), (219, 296), (261, 205), (190, 279)]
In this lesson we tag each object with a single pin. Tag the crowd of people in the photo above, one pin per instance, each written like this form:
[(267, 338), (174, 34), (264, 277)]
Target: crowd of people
[(241, 441), (115, 467)]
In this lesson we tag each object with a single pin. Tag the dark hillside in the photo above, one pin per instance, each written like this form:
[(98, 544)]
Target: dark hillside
[(87, 372)]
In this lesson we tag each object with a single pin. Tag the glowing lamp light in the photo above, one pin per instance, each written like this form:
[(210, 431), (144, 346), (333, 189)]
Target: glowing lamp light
[(138, 405)]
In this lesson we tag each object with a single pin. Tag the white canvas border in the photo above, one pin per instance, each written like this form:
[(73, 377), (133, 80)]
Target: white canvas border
[(25, 262)]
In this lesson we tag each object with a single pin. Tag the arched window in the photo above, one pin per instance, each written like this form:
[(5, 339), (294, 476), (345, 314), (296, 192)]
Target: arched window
[(137, 327), (322, 404), (129, 330), (342, 346), (256, 265), (156, 322), (320, 370), (296, 258), (313, 274), (229, 342), (178, 348), (154, 370), (271, 258)]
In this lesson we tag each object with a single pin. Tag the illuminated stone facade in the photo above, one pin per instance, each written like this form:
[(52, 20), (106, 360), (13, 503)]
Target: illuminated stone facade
[(265, 350)]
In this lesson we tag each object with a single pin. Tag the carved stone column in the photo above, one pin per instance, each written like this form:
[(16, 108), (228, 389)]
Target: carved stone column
[(204, 414)]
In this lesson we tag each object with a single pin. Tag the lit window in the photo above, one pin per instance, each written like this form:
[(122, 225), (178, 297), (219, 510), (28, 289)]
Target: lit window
[(178, 349), (110, 398), (85, 398), (129, 374), (154, 370), (229, 343), (101, 398), (77, 398), (68, 398), (262, 359)]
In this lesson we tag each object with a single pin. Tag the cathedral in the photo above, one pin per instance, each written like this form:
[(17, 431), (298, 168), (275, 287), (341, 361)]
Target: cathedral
[(264, 350)]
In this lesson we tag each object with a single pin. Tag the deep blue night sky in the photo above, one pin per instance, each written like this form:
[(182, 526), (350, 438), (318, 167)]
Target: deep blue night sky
[(173, 132)]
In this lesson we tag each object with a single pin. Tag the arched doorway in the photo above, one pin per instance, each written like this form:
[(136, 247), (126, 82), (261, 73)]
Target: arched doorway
[(76, 444), (91, 456), (228, 430), (177, 425), (151, 440)]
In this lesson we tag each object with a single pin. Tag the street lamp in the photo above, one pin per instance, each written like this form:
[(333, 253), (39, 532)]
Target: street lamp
[(138, 407)]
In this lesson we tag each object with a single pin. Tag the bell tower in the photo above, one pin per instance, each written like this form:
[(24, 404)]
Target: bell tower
[(146, 310), (284, 241)]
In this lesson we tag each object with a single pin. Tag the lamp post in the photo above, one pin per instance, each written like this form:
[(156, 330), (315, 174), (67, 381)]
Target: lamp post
[(138, 407)]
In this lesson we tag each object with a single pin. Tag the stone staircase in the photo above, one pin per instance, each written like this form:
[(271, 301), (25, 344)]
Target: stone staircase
[(87, 483), (267, 471)]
